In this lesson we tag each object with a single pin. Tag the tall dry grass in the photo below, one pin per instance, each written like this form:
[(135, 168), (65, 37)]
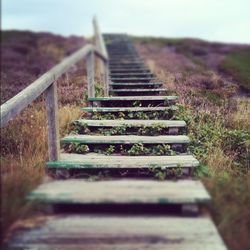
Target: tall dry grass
[(240, 118), (24, 154)]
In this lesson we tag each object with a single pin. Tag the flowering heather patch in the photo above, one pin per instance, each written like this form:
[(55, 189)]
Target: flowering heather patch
[(27, 55)]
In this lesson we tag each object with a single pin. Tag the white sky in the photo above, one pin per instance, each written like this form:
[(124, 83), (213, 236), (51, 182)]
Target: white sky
[(214, 20)]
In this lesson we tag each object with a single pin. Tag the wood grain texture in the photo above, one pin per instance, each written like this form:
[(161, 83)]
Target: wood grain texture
[(113, 233), (121, 192), (132, 123), (135, 84), (126, 139), (135, 98), (139, 90), (53, 125), (93, 160), (129, 109)]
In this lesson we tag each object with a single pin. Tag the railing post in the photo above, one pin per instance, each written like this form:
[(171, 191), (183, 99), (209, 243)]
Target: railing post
[(53, 127), (91, 74), (106, 78)]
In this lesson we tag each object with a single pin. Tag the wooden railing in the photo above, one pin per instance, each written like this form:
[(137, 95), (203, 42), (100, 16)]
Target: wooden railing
[(47, 84)]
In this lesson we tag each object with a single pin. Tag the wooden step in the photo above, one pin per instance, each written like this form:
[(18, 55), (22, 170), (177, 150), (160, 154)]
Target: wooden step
[(127, 56), (128, 109), (127, 67), (134, 98), (77, 232), (145, 70), (132, 79), (132, 84), (93, 160), (130, 74), (126, 139), (132, 123), (125, 60), (121, 192), (140, 64), (137, 90)]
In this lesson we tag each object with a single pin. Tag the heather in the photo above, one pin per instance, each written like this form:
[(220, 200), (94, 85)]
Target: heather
[(27, 55)]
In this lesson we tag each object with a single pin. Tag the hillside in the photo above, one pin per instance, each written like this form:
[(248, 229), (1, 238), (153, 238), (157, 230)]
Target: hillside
[(212, 79), (27, 55)]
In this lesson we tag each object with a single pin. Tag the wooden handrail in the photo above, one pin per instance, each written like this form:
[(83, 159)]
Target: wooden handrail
[(99, 41), (47, 84), (20, 101)]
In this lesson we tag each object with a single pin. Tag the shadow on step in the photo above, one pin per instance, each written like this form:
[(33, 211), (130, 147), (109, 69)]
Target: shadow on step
[(127, 209)]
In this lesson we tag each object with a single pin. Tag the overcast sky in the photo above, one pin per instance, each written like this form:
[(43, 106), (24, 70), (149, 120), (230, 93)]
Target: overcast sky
[(214, 20)]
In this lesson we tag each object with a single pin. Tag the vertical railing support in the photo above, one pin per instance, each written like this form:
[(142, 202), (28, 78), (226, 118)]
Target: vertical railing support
[(91, 74), (53, 127), (106, 80)]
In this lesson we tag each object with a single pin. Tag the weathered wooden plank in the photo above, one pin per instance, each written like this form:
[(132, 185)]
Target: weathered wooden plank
[(20, 101), (132, 70), (116, 232), (132, 78), (116, 68), (130, 74), (139, 90), (132, 123), (121, 192), (93, 160), (134, 98), (99, 39), (126, 139), (129, 109), (135, 84), (53, 126)]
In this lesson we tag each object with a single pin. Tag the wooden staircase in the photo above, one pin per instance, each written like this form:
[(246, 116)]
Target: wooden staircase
[(110, 198)]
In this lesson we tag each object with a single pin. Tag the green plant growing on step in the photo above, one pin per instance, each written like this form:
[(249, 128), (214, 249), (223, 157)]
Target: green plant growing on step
[(138, 149), (137, 104), (164, 173), (79, 128), (155, 129), (76, 148), (82, 149), (159, 174), (100, 116), (141, 115), (163, 149), (121, 116), (119, 130), (99, 92), (155, 115), (110, 150)]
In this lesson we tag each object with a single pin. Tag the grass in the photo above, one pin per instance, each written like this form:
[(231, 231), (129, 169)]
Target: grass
[(24, 153), (239, 119), (237, 64)]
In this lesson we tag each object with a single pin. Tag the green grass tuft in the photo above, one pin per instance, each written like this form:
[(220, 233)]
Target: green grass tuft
[(238, 65)]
